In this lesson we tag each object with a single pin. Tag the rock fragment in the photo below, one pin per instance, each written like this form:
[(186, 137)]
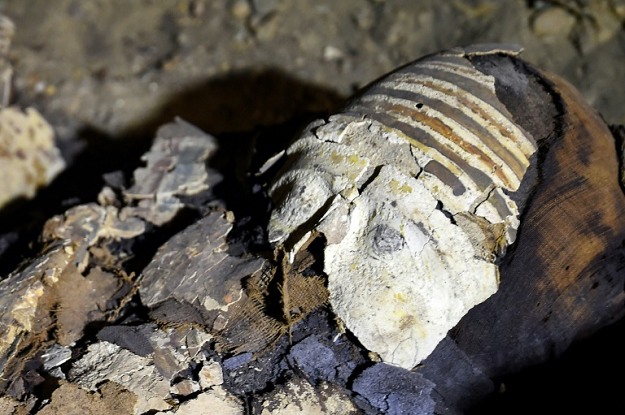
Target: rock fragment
[(184, 387), (393, 390), (106, 361), (317, 361), (53, 357), (194, 271), (210, 375)]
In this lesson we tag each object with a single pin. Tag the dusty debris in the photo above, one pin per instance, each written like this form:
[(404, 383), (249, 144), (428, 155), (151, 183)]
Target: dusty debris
[(155, 364), (70, 399), (83, 300), (298, 396), (176, 166), (11, 406), (215, 401), (77, 279), (393, 243), (106, 361)]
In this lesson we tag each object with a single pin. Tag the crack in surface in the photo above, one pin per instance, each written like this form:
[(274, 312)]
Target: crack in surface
[(483, 198)]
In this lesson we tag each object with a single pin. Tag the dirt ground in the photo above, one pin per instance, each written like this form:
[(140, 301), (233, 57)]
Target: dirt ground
[(234, 65), (106, 74)]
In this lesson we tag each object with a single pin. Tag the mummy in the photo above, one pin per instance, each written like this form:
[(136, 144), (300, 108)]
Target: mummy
[(417, 187)]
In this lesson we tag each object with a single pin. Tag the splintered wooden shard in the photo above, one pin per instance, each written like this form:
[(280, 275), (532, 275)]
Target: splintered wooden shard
[(175, 167), (411, 186)]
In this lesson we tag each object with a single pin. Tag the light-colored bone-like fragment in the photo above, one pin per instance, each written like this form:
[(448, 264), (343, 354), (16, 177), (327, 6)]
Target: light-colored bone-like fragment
[(298, 396), (211, 375), (215, 401), (29, 158), (410, 186)]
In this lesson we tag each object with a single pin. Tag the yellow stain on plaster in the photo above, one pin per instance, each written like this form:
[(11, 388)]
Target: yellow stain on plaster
[(397, 187)]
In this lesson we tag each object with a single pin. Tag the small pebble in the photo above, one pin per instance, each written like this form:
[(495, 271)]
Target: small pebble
[(240, 9), (331, 53), (553, 21), (237, 361)]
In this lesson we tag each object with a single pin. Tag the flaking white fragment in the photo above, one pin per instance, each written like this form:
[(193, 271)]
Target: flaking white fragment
[(321, 170), (106, 361), (403, 274), (214, 401), (155, 377)]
